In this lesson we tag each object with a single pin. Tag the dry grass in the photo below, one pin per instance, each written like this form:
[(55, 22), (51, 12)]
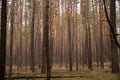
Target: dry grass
[(96, 74)]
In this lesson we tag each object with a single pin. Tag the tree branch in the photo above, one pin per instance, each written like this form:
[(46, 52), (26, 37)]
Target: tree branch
[(111, 27)]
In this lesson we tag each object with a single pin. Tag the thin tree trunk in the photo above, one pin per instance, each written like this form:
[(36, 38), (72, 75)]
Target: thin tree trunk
[(26, 35), (101, 13), (32, 56), (69, 34), (20, 36), (11, 40)]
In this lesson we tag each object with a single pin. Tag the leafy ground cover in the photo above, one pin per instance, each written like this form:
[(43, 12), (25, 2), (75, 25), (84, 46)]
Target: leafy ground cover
[(82, 74)]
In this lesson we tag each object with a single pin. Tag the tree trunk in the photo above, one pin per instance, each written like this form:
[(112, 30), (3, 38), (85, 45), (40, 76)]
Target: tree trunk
[(114, 51), (11, 40), (69, 34), (46, 37), (43, 66), (3, 39), (101, 13), (32, 56)]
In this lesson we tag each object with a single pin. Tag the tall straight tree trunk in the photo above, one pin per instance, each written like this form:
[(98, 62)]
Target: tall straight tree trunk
[(11, 40), (61, 35), (90, 65), (97, 35), (69, 33), (26, 44), (76, 36), (32, 56), (84, 52), (114, 51), (95, 30), (38, 34), (43, 63), (20, 36), (88, 35), (3, 39), (46, 36), (52, 27), (101, 13)]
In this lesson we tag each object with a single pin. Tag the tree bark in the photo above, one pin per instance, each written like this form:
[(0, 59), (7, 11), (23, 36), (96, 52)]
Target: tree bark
[(11, 40), (32, 56), (101, 13), (3, 39), (69, 34), (114, 51), (46, 36)]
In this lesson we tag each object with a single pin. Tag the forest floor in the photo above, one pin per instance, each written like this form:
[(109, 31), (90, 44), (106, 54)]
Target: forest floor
[(63, 74)]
